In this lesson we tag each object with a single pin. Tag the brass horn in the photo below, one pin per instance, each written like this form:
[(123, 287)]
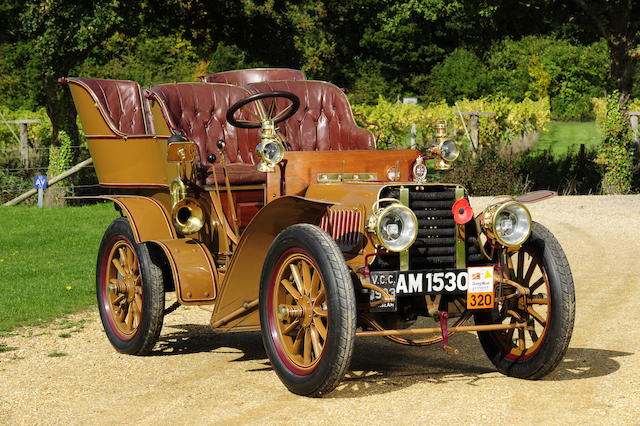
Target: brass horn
[(187, 215)]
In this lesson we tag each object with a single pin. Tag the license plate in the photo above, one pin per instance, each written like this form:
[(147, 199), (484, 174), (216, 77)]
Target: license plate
[(475, 282), (416, 283)]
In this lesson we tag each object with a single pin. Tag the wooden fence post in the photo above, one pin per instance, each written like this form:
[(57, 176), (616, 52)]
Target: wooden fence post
[(24, 139), (474, 124)]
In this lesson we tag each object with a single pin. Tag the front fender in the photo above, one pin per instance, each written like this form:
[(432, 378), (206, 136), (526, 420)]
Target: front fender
[(241, 285)]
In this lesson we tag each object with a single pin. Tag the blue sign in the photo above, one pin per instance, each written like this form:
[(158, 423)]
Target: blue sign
[(40, 182)]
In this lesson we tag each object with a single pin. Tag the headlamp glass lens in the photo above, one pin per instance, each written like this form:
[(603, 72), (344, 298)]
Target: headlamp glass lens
[(512, 225), (397, 228), (271, 152), (449, 150)]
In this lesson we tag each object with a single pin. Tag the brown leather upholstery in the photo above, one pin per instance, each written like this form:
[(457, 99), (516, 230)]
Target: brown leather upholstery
[(324, 121), (254, 75), (198, 112), (121, 101)]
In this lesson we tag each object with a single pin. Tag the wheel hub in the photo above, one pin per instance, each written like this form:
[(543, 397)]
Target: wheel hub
[(307, 311)]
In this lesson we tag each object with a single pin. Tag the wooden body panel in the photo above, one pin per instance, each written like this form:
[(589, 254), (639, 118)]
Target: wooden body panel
[(248, 202), (303, 167), (194, 272), (131, 162), (241, 284), (121, 160)]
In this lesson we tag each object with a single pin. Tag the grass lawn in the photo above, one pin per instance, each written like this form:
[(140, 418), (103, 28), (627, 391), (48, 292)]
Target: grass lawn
[(47, 261), (563, 135)]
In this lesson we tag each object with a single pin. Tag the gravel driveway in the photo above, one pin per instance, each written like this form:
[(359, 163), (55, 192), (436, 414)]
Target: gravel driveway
[(196, 376)]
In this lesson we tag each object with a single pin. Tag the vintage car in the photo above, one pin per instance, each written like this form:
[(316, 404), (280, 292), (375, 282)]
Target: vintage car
[(255, 191)]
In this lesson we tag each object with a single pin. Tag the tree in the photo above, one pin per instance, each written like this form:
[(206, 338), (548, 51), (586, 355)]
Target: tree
[(460, 75), (617, 22), (60, 35)]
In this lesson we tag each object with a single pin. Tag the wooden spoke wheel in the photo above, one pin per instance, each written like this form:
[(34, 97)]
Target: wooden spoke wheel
[(307, 310), (543, 298), (300, 311), (130, 290), (124, 288)]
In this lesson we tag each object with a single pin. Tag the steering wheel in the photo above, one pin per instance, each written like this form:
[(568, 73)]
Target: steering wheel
[(263, 114)]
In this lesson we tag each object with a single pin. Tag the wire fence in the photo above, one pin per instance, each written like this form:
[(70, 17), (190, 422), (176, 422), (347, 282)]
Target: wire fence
[(19, 167), (38, 148)]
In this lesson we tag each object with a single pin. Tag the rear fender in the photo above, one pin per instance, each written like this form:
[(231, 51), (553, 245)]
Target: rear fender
[(193, 270), (148, 218), (241, 285)]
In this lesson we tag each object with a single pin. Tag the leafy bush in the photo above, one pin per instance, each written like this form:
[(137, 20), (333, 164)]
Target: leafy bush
[(369, 83), (487, 174), (493, 173), (510, 119), (60, 156), (12, 185), (571, 173), (571, 73), (616, 150), (147, 60), (460, 75)]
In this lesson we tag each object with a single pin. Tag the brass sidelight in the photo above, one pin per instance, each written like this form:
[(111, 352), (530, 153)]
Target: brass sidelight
[(270, 150)]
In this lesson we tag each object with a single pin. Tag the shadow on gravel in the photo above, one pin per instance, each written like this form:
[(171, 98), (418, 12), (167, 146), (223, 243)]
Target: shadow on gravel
[(379, 366), (195, 338), (584, 363)]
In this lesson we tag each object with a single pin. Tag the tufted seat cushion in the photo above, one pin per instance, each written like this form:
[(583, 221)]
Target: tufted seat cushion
[(324, 121), (198, 112), (121, 103), (253, 75)]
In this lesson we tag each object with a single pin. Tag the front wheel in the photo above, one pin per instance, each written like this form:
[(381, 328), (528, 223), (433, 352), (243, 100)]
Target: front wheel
[(129, 286), (307, 310), (541, 268)]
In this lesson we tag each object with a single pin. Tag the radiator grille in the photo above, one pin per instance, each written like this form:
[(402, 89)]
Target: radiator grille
[(435, 246), (344, 226)]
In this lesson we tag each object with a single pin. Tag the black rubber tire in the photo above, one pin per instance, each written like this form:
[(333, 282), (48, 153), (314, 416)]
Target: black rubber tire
[(149, 262), (341, 308), (560, 320)]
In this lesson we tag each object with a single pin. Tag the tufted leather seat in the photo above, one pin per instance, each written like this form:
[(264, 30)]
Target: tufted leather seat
[(253, 75), (198, 112), (121, 103), (324, 121)]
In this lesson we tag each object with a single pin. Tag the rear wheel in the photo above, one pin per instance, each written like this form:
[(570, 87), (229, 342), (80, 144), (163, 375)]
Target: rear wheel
[(129, 286), (542, 269), (307, 310)]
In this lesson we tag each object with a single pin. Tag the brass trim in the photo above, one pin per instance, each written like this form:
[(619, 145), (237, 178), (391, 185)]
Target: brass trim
[(461, 249), (404, 254), (412, 331), (346, 177)]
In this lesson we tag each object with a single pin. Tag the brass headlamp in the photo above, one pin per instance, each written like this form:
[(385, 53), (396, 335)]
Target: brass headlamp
[(506, 222), (395, 227)]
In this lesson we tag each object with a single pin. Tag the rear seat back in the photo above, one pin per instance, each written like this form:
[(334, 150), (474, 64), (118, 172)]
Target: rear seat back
[(198, 112), (253, 75), (120, 103), (324, 121)]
